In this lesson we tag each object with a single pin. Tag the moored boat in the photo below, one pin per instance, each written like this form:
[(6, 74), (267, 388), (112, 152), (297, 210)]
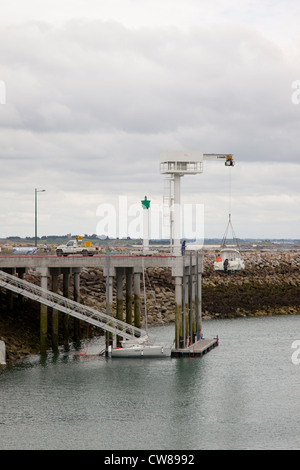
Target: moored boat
[(138, 348), (229, 259)]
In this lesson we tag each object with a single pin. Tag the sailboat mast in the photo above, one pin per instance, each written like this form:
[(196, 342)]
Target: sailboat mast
[(145, 299)]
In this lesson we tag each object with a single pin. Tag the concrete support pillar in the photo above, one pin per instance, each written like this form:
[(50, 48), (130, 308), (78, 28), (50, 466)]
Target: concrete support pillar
[(21, 272), (66, 293), (119, 274), (43, 273), (110, 287), (129, 296), (194, 312), (191, 311), (76, 273), (109, 273), (178, 311), (137, 299), (55, 315), (185, 306), (199, 296), (178, 272), (109, 336), (119, 314), (9, 293)]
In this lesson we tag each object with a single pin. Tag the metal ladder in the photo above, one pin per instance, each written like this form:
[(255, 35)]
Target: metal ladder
[(70, 307)]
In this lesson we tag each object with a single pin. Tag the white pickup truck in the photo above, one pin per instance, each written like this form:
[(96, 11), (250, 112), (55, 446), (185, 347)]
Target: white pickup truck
[(74, 247)]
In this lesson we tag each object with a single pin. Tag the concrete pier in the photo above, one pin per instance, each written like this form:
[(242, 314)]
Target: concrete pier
[(186, 271)]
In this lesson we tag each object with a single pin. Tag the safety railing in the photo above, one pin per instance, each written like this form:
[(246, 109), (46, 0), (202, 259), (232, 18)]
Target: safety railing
[(70, 307)]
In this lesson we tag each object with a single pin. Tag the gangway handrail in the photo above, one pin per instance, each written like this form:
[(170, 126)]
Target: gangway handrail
[(70, 307)]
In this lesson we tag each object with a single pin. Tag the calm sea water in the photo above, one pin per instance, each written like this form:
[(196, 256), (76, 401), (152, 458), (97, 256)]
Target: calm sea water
[(245, 394)]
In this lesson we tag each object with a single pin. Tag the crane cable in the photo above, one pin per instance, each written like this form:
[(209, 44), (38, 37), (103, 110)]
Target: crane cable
[(229, 192), (223, 244)]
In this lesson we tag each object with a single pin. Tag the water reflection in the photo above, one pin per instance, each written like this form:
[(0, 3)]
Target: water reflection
[(233, 397)]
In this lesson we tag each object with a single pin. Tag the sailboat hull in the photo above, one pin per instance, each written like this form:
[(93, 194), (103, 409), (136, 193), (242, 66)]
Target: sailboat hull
[(140, 351)]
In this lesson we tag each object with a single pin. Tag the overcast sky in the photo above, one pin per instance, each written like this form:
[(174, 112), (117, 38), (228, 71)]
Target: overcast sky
[(95, 90)]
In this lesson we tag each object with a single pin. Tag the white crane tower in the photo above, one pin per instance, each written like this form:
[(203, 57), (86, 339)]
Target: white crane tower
[(175, 164)]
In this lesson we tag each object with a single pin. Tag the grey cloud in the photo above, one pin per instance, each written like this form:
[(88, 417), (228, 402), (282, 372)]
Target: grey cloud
[(91, 104), (92, 75)]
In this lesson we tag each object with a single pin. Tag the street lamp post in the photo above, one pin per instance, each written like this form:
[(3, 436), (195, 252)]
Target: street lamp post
[(35, 212)]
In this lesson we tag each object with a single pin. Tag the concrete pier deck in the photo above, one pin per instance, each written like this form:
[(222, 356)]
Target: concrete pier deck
[(118, 268), (197, 349)]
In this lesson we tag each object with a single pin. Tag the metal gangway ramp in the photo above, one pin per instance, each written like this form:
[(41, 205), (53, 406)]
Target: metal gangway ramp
[(70, 307)]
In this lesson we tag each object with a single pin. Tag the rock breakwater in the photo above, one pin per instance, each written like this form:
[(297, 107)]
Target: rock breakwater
[(270, 284)]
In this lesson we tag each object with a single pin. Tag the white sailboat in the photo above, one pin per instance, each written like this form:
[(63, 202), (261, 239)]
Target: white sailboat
[(138, 348)]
